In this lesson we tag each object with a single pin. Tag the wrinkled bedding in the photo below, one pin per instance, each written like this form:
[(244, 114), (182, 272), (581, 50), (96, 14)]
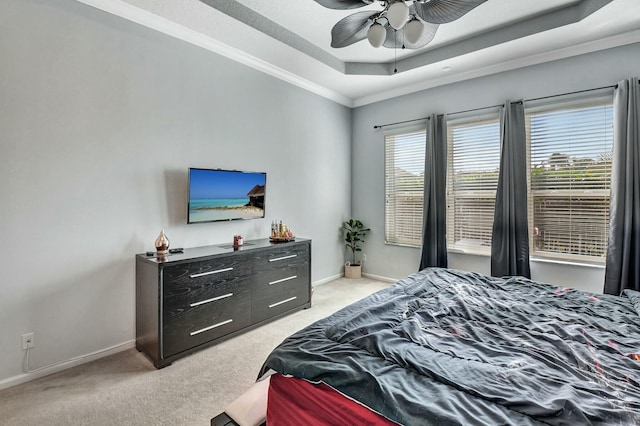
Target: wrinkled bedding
[(447, 347)]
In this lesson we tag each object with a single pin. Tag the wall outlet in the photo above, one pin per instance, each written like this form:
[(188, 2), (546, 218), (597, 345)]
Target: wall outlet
[(28, 341), (364, 257)]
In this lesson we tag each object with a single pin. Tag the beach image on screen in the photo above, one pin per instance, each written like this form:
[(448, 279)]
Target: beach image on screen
[(225, 195)]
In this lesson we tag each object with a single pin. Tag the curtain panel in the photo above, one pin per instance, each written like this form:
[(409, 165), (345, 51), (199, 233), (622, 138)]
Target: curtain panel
[(510, 237), (434, 238), (623, 248)]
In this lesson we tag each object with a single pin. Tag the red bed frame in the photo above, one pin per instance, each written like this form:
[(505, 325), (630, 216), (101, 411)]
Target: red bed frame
[(293, 401)]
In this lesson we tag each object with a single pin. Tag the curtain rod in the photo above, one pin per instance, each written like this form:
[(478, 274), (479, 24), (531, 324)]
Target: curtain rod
[(615, 86), (380, 126)]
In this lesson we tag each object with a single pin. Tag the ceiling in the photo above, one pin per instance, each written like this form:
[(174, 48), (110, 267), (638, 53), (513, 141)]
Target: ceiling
[(291, 40)]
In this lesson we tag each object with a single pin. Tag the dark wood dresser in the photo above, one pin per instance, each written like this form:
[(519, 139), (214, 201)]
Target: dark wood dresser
[(190, 300)]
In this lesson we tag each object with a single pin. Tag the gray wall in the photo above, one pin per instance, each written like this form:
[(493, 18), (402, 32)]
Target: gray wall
[(99, 121), (579, 73)]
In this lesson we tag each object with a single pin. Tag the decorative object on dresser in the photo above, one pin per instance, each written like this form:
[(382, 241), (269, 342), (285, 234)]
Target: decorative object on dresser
[(162, 243), (190, 300), (280, 232)]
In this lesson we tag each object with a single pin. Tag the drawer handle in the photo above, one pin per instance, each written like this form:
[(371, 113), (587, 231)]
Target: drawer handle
[(202, 330), (283, 280), (224, 296), (283, 301), (283, 258), (210, 273)]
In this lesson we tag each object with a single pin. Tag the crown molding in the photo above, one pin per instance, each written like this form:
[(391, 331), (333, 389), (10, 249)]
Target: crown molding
[(249, 17), (617, 40), (567, 15), (147, 19), (559, 17)]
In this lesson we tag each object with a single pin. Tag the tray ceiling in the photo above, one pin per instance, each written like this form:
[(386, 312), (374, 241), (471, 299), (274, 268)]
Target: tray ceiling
[(291, 40)]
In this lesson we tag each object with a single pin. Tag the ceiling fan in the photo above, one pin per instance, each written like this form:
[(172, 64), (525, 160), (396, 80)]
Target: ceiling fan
[(408, 24)]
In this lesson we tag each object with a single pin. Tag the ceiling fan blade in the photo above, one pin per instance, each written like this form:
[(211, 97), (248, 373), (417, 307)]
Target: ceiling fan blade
[(443, 11), (397, 39), (352, 29), (341, 4)]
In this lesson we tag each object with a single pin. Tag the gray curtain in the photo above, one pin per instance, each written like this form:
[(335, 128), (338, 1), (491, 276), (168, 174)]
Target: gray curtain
[(510, 238), (434, 243), (623, 253)]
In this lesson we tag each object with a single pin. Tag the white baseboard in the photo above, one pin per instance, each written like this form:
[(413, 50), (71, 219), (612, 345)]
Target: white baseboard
[(63, 365), (328, 279), (364, 274), (83, 359), (380, 278)]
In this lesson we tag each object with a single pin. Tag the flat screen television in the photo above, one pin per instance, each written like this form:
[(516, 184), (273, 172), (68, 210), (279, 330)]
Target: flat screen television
[(216, 195)]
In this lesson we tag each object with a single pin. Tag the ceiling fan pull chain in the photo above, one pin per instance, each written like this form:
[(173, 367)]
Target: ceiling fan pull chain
[(395, 53)]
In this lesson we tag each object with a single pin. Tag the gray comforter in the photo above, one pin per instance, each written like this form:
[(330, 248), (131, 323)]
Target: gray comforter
[(447, 347)]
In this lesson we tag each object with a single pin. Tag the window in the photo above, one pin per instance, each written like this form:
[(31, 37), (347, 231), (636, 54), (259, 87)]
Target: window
[(569, 155), (570, 173), (473, 169), (404, 186)]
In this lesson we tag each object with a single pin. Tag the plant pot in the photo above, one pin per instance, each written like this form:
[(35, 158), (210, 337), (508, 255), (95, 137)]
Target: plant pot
[(352, 271)]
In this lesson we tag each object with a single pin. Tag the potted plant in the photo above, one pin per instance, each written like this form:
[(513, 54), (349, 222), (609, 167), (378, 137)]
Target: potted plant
[(354, 232)]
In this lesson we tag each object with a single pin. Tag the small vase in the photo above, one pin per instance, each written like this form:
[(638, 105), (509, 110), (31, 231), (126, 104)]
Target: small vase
[(162, 243)]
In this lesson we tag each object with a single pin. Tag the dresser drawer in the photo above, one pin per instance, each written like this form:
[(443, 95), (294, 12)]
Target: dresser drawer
[(188, 283), (206, 320), (278, 298), (288, 256), (265, 284)]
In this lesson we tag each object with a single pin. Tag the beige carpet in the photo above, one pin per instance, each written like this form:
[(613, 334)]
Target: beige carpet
[(125, 388)]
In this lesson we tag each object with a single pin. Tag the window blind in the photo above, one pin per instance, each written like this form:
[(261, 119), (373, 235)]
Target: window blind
[(404, 186), (473, 169), (570, 173)]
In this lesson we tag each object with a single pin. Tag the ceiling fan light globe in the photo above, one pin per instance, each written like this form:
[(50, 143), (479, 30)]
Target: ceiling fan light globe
[(397, 14), (413, 31), (376, 35)]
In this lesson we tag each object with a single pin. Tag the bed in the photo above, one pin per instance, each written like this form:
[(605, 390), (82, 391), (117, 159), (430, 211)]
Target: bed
[(449, 347)]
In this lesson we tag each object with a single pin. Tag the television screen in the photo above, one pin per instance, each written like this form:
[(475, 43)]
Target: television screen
[(216, 195)]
